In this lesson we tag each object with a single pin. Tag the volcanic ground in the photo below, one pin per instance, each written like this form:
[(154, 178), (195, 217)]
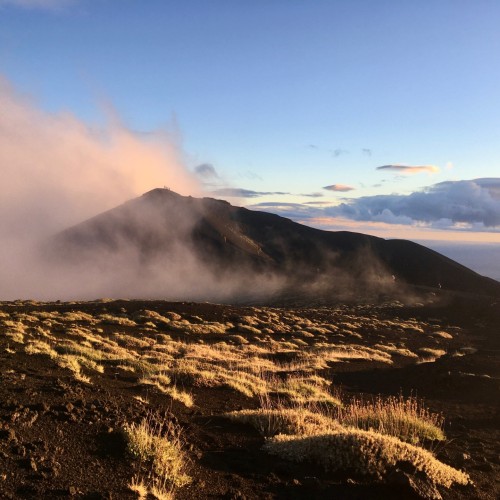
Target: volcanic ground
[(77, 376)]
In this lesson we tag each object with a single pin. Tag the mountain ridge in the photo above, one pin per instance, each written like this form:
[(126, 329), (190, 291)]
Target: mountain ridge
[(163, 226)]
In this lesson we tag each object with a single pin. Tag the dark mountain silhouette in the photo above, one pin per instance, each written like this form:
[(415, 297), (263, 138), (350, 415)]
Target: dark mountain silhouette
[(226, 239)]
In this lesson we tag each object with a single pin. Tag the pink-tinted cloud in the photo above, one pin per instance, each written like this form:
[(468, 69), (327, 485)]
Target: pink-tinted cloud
[(410, 169), (244, 193), (341, 188), (56, 170), (391, 230)]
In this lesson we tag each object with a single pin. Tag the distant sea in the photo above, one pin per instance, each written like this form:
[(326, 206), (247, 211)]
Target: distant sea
[(484, 258)]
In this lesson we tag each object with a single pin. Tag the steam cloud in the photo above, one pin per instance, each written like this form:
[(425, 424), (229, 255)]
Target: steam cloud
[(57, 171)]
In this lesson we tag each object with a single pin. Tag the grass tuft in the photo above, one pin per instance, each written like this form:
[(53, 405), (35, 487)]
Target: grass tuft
[(270, 422), (365, 453), (404, 418), (158, 446)]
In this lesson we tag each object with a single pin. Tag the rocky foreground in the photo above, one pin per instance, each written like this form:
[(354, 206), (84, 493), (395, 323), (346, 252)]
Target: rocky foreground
[(247, 397)]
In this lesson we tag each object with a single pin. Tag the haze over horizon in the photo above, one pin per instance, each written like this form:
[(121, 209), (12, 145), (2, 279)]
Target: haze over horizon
[(376, 117)]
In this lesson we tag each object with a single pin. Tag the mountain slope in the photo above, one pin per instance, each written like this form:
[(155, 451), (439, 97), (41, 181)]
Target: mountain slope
[(168, 229)]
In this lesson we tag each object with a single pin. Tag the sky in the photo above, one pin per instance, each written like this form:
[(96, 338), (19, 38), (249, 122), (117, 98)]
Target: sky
[(379, 117)]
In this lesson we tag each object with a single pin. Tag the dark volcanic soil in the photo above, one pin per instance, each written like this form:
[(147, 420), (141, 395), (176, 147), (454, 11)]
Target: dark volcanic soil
[(62, 437)]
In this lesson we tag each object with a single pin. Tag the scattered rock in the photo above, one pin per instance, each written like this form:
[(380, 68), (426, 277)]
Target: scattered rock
[(422, 487), (234, 494), (19, 450), (311, 482), (33, 465), (485, 467), (11, 435)]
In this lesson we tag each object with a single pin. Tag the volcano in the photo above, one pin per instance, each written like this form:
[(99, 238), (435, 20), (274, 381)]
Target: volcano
[(164, 228)]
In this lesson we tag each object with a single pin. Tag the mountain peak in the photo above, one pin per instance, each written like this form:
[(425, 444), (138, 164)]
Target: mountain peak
[(177, 239)]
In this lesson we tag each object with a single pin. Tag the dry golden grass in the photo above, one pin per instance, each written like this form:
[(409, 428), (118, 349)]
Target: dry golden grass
[(40, 347), (364, 452), (330, 353), (302, 390), (108, 319), (428, 354), (77, 316), (13, 326), (404, 418), (281, 420), (364, 436), (16, 337), (441, 335), (72, 363), (394, 350), (138, 486), (158, 447), (162, 382)]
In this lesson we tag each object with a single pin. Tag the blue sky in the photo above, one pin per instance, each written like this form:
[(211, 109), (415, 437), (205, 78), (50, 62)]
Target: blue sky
[(289, 97)]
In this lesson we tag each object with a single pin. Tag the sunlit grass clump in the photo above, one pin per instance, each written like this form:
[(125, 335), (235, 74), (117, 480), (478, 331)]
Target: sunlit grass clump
[(281, 420), (363, 452), (157, 445), (404, 418)]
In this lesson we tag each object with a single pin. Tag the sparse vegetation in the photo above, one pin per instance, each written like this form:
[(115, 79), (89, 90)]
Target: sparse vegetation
[(158, 447), (272, 357), (281, 420), (429, 354), (404, 418), (364, 452)]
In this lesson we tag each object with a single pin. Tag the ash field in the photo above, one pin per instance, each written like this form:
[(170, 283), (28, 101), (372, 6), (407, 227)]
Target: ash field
[(248, 357)]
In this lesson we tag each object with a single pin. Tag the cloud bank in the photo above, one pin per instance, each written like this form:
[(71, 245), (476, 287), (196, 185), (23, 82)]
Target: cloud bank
[(473, 204), (467, 205)]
